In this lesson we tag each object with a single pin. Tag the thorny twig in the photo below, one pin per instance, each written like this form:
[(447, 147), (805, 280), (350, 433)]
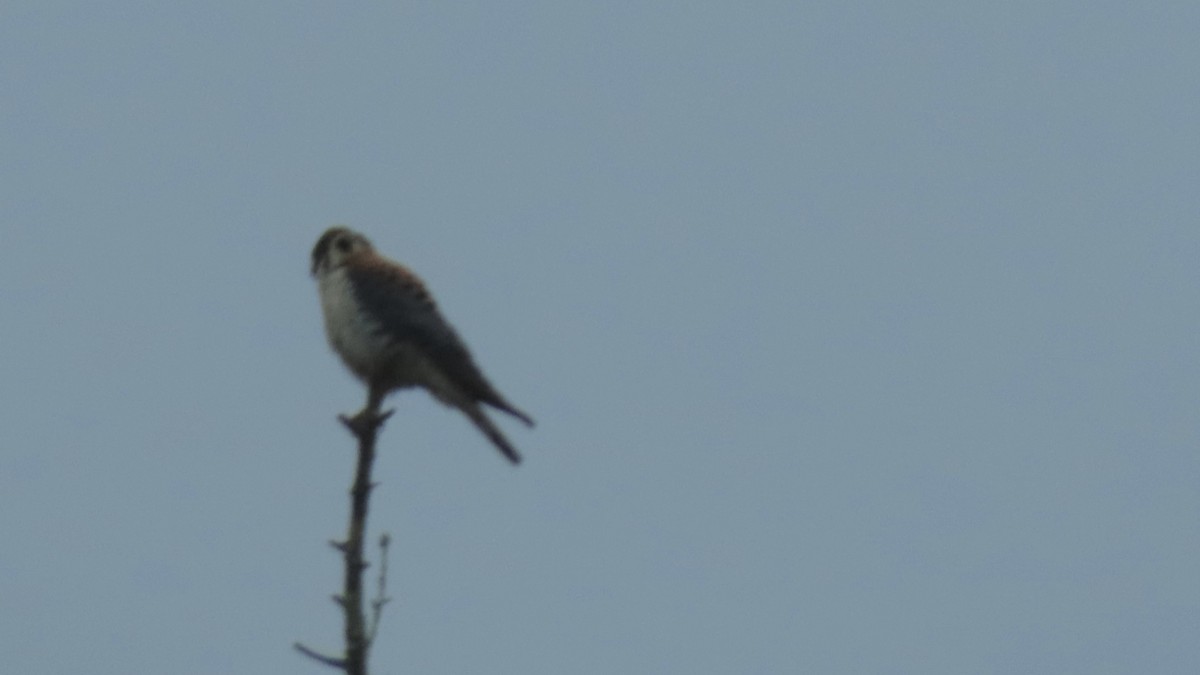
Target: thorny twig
[(365, 426)]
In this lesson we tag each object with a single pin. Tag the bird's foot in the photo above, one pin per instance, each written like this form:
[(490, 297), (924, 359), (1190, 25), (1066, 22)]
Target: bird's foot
[(366, 420)]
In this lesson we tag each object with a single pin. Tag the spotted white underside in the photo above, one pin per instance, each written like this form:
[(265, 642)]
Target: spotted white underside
[(369, 352), (351, 333)]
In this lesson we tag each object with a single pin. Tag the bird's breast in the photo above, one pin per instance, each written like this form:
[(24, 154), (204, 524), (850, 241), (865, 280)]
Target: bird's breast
[(352, 333), (364, 345)]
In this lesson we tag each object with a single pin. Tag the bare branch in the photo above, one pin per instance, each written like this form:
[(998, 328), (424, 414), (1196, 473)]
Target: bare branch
[(381, 597), (365, 426), (319, 657)]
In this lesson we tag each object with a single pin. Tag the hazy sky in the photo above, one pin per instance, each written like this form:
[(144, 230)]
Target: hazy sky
[(861, 335)]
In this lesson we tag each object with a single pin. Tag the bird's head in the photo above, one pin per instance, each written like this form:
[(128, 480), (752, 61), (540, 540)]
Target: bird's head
[(334, 247)]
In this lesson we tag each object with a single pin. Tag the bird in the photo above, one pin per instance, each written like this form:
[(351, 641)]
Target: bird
[(384, 324)]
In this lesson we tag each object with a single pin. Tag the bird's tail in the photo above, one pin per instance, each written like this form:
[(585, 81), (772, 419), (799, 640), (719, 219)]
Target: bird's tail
[(499, 403), (489, 429)]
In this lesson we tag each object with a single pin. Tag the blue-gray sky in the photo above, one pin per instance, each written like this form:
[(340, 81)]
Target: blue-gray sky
[(861, 336)]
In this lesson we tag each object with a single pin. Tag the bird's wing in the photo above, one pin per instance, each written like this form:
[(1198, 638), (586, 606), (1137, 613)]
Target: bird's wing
[(407, 313)]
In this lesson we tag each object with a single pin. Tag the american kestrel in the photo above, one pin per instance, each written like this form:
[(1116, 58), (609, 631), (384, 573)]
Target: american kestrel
[(384, 324)]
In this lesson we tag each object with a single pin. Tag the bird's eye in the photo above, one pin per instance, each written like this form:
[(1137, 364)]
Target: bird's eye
[(344, 245)]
